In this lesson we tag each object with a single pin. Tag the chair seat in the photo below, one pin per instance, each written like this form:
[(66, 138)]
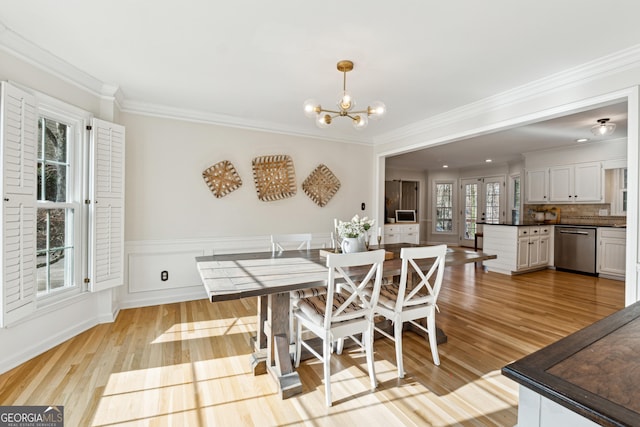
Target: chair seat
[(315, 308), (389, 296), (308, 292)]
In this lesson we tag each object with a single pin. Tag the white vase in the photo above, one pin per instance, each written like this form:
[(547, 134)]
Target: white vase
[(352, 244)]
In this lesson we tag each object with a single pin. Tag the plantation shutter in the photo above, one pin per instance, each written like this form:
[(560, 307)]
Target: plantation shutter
[(18, 145), (106, 211)]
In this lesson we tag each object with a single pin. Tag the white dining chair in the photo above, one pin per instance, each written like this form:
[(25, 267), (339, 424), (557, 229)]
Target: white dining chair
[(283, 242), (344, 311), (408, 302), (299, 241)]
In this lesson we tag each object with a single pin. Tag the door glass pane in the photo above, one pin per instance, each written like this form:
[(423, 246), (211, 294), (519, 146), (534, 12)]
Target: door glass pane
[(444, 207), (492, 200), (515, 209), (470, 210)]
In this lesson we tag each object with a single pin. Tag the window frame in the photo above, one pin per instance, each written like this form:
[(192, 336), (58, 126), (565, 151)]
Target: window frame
[(452, 183), (77, 119)]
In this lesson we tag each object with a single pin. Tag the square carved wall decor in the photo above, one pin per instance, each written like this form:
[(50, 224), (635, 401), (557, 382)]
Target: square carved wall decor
[(275, 177), (222, 178), (321, 185)]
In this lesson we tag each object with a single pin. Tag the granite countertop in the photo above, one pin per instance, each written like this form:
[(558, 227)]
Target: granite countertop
[(594, 372)]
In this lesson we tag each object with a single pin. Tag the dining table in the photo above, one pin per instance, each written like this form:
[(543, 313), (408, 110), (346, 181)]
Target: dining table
[(271, 276)]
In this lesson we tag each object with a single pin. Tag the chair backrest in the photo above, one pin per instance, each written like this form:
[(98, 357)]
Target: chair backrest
[(282, 242), (353, 273), (430, 279)]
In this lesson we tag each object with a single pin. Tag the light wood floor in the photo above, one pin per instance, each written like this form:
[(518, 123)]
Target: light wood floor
[(187, 364)]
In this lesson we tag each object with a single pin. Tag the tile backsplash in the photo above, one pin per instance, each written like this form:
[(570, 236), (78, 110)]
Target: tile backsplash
[(579, 214)]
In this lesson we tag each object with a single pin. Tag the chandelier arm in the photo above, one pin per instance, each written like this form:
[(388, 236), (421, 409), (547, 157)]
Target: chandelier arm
[(322, 110), (354, 112)]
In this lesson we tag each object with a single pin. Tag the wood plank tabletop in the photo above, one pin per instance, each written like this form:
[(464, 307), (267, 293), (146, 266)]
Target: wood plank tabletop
[(234, 276)]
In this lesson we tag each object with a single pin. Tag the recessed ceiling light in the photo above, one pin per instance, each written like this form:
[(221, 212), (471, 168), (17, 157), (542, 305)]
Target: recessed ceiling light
[(445, 166), (488, 160), (582, 140)]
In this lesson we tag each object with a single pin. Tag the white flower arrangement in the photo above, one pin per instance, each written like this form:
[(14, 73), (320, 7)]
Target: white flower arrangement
[(356, 227)]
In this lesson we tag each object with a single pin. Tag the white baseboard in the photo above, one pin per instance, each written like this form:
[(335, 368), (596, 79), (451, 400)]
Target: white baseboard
[(38, 347)]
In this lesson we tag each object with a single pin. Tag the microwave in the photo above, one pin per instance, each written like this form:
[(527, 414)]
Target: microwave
[(405, 215)]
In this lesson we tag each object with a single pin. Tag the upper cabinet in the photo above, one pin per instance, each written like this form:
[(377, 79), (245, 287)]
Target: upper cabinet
[(537, 186), (581, 182), (574, 183)]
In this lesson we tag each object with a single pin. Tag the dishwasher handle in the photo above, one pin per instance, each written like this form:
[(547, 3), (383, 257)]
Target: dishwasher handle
[(584, 233)]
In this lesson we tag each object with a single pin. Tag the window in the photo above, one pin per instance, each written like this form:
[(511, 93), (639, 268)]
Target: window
[(444, 207), (53, 240), (56, 208), (622, 194)]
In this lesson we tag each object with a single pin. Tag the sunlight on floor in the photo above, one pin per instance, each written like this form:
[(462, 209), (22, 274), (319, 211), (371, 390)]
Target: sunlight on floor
[(207, 329)]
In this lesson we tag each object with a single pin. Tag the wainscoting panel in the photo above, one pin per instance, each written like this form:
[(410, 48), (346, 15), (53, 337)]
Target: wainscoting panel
[(146, 261), (160, 271)]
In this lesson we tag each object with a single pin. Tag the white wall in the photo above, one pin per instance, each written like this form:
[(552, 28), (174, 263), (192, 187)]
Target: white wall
[(167, 197), (172, 217)]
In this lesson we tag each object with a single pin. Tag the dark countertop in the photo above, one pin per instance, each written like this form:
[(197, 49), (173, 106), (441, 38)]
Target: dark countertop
[(594, 372), (526, 224)]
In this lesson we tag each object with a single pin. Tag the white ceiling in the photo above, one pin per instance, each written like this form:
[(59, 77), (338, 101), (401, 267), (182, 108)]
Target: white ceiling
[(252, 63)]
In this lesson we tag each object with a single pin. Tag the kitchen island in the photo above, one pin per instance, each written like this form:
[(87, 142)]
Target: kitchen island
[(519, 248), (588, 378)]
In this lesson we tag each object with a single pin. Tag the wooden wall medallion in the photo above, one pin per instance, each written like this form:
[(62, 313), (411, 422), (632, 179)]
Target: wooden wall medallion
[(222, 178), (321, 185), (274, 177)]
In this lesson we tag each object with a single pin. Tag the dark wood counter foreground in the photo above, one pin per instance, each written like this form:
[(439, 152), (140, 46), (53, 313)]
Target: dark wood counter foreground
[(595, 372)]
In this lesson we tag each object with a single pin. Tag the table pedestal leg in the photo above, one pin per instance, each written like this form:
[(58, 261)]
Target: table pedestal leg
[(259, 357), (272, 353), (278, 356)]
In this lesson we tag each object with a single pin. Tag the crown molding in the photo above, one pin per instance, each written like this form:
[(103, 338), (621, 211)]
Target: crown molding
[(601, 67), (18, 46), (197, 116)]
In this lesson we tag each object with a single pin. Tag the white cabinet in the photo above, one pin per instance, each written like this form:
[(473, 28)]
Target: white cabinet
[(533, 247), (518, 248), (581, 182), (401, 233), (575, 183), (612, 249), (537, 185)]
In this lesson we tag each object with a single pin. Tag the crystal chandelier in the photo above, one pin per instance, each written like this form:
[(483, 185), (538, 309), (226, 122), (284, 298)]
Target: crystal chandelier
[(346, 104)]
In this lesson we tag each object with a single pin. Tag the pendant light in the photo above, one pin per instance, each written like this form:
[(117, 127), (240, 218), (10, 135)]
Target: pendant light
[(603, 128), (324, 117)]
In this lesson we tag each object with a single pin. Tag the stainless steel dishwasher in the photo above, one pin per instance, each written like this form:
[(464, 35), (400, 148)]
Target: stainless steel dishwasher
[(575, 249)]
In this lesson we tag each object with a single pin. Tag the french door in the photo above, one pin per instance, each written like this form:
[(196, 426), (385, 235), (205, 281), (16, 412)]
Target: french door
[(482, 201)]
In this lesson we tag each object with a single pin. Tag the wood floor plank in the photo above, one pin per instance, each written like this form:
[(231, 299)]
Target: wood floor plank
[(188, 364)]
